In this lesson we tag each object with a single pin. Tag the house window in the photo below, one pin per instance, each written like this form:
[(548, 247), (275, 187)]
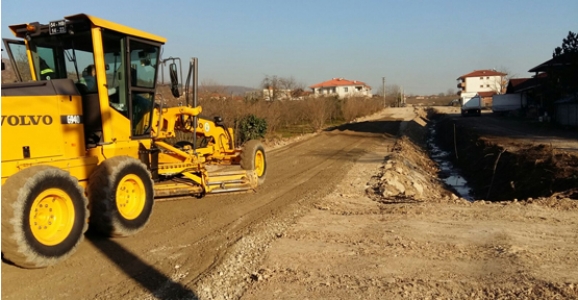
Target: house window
[(487, 85), (481, 78), (481, 85), (487, 77), (345, 89)]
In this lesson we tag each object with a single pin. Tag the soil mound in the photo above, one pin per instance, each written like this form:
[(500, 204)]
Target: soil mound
[(408, 174)]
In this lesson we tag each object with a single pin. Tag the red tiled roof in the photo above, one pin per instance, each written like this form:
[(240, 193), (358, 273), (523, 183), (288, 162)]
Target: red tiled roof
[(517, 81), (486, 94), (527, 84), (481, 73), (338, 82)]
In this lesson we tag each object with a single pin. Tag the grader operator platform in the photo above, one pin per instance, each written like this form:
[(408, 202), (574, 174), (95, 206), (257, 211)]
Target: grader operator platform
[(86, 140)]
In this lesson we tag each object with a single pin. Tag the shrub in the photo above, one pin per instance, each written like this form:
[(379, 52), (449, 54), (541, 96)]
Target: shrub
[(251, 127), (253, 118), (318, 111), (356, 107)]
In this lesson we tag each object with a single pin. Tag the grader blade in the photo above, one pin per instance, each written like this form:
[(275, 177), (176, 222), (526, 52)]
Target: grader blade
[(174, 189), (231, 181)]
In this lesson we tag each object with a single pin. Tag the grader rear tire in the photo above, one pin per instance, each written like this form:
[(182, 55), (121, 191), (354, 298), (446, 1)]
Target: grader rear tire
[(44, 214), (121, 196), (253, 158)]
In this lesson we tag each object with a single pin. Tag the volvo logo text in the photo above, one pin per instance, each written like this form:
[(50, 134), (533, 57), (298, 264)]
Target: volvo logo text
[(28, 120)]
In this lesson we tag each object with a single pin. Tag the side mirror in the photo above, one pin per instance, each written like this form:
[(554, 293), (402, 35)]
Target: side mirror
[(174, 80)]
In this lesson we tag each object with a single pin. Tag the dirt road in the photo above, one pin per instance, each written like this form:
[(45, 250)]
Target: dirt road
[(186, 239), (512, 133), (352, 213), (414, 241)]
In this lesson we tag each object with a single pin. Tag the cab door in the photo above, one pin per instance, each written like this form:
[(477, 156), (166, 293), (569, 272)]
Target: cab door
[(143, 58), (16, 50)]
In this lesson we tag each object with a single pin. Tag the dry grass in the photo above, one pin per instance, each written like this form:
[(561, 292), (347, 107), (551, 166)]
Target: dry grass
[(354, 108), (286, 118)]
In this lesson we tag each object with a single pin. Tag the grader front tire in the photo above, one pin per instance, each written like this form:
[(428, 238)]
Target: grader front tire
[(44, 214), (253, 158), (121, 195)]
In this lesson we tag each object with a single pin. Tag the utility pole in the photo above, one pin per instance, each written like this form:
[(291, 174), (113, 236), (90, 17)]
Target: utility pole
[(383, 82)]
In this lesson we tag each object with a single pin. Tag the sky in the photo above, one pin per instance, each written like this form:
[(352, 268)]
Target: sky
[(422, 46)]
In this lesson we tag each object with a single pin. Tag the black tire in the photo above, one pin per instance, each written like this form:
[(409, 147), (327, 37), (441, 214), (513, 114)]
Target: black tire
[(202, 143), (253, 157), (61, 216), (183, 144), (113, 176)]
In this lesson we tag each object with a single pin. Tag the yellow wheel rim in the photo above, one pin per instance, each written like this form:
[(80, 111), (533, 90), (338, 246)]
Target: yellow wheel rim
[(130, 196), (52, 217), (260, 163)]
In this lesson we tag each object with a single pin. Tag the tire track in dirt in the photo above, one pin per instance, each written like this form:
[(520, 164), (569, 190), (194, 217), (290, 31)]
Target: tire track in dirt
[(186, 238), (270, 195)]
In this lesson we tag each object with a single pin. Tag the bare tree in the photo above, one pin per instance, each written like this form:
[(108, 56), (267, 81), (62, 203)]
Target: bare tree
[(392, 92), (278, 88), (22, 67), (211, 89), (319, 111), (287, 83), (501, 86), (271, 84)]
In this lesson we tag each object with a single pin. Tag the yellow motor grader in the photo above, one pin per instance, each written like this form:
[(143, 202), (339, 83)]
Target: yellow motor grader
[(85, 138)]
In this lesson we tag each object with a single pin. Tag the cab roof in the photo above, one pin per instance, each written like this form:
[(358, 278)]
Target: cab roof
[(17, 30)]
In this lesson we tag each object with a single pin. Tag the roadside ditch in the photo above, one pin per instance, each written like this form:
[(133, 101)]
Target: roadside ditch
[(497, 173), (435, 159)]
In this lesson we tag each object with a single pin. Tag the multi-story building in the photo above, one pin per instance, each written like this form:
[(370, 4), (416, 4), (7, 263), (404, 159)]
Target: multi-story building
[(486, 83)]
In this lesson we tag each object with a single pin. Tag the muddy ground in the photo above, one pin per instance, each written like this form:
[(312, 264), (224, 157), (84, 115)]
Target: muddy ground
[(354, 212)]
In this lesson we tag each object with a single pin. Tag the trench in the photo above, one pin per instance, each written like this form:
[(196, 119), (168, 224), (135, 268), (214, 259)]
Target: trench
[(449, 173), (478, 169)]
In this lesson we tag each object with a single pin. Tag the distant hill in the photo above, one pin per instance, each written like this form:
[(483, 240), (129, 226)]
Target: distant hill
[(237, 90), (9, 76)]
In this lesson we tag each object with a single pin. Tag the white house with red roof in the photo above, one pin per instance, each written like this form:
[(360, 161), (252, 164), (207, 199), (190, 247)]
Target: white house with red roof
[(484, 82), (342, 88)]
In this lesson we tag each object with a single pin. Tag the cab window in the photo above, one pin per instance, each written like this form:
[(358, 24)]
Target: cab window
[(143, 73)]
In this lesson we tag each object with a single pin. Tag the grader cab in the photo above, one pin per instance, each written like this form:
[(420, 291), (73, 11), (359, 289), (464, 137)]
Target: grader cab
[(88, 141)]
